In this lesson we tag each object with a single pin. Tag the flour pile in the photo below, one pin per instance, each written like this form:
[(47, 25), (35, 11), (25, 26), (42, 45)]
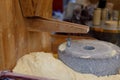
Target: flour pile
[(45, 65)]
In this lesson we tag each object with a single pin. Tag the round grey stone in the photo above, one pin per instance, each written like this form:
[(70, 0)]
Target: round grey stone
[(91, 56)]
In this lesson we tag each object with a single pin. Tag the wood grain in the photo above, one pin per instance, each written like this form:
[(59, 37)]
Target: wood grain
[(13, 29), (31, 8), (2, 59), (17, 40), (37, 41), (21, 38), (51, 25), (8, 32)]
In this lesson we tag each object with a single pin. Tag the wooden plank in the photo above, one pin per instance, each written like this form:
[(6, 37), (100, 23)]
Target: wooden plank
[(31, 8), (13, 27), (34, 42), (8, 34), (5, 18), (44, 8), (46, 42), (51, 25), (2, 57), (38, 41), (28, 7), (9, 48), (21, 38)]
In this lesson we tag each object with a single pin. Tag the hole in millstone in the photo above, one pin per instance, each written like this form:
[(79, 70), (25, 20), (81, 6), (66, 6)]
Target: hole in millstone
[(89, 48)]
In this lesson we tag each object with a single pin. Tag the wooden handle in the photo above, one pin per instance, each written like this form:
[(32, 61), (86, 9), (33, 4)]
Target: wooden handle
[(52, 25), (43, 9)]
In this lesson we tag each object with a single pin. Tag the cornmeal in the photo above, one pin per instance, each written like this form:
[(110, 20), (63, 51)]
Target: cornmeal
[(45, 65)]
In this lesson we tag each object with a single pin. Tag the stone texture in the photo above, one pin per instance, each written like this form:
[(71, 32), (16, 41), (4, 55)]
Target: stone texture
[(91, 56)]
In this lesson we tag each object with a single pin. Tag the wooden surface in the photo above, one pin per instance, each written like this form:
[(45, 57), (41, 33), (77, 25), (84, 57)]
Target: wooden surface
[(51, 25), (16, 39), (37, 8), (7, 34), (39, 41), (13, 33), (2, 59), (58, 39)]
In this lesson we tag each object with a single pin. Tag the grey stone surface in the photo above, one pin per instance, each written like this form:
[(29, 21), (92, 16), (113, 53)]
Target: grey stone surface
[(92, 57)]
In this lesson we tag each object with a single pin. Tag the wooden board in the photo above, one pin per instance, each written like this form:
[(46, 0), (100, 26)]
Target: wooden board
[(2, 59), (13, 38), (39, 41), (37, 8), (51, 25), (7, 28)]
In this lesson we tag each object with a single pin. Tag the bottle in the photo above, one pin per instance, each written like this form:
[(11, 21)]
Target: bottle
[(104, 15), (102, 5), (97, 17)]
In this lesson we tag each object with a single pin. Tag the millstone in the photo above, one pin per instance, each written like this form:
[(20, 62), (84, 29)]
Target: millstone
[(91, 56)]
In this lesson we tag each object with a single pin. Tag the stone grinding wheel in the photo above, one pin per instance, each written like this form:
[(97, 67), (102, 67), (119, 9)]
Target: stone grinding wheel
[(91, 56)]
